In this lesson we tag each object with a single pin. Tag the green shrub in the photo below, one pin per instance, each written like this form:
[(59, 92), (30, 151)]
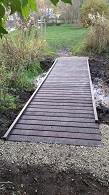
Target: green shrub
[(7, 101), (22, 78), (19, 63)]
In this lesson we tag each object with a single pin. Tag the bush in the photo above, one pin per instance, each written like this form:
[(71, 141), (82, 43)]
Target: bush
[(20, 53), (20, 59), (98, 37), (93, 7), (7, 101)]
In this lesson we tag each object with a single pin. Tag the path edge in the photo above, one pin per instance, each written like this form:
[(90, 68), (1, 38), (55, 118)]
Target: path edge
[(93, 100)]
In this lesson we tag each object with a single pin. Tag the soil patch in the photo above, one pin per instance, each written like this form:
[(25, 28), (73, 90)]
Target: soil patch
[(46, 64), (6, 118), (45, 180), (99, 67)]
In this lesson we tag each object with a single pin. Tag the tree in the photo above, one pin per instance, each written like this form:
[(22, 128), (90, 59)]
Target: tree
[(22, 6), (70, 13)]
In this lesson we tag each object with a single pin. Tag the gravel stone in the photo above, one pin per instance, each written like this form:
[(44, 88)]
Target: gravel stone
[(92, 159)]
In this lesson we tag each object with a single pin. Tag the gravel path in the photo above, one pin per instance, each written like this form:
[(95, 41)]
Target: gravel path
[(95, 160)]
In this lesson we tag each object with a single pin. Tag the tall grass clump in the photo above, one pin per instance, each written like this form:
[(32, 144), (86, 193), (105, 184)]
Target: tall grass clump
[(20, 53), (97, 40), (7, 101), (93, 7)]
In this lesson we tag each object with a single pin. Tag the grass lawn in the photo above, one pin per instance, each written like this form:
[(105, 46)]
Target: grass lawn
[(62, 37)]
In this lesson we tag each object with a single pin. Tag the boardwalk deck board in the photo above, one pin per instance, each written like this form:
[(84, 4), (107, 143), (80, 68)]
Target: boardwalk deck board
[(52, 118), (54, 128), (59, 114), (62, 109), (57, 110)]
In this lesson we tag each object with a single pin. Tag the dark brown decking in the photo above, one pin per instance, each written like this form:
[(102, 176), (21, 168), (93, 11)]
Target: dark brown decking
[(62, 109)]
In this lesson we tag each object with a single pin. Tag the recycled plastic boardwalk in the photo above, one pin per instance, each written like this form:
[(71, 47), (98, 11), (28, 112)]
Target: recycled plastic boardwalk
[(62, 109)]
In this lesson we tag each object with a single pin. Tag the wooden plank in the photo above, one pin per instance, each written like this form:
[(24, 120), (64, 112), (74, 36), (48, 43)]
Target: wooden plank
[(55, 128), (67, 83), (72, 93), (64, 84), (57, 114), (58, 123), (93, 101), (66, 91), (19, 115), (56, 118), (57, 134), (59, 94), (74, 107), (70, 78), (60, 110), (35, 100), (74, 89), (78, 142), (60, 97), (72, 96), (61, 104)]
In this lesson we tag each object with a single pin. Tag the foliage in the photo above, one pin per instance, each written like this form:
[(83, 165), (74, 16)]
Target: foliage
[(93, 7), (19, 56), (7, 101), (98, 37), (21, 6), (70, 13), (68, 37), (19, 63), (57, 1)]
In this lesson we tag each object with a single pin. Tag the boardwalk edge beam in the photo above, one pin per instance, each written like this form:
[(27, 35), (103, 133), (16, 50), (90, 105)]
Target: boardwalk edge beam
[(93, 100), (5, 137)]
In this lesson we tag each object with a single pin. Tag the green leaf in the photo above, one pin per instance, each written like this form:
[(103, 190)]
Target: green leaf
[(1, 22), (32, 5), (4, 17), (2, 11), (5, 3), (25, 11), (15, 6), (67, 1), (2, 31), (24, 2), (54, 1)]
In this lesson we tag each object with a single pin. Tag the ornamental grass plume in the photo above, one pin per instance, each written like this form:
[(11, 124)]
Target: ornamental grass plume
[(97, 39)]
